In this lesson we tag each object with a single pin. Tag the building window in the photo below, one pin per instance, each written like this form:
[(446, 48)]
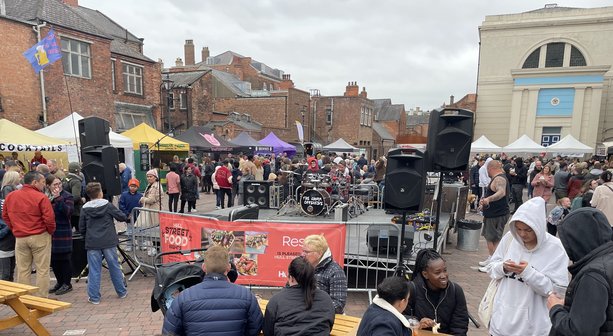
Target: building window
[(555, 102), (362, 116), (532, 62), (329, 115), (555, 55), (576, 57), (183, 101), (171, 100), (132, 79), (76, 58), (550, 136), (113, 75)]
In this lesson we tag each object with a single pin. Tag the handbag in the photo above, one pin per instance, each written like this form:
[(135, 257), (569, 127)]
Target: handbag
[(486, 306)]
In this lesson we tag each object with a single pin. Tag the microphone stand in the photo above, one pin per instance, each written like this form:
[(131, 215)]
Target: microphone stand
[(157, 144)]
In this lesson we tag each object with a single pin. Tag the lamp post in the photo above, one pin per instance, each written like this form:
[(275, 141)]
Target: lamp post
[(168, 84)]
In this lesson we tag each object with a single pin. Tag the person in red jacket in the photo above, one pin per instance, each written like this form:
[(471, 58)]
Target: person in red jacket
[(29, 215), (222, 176)]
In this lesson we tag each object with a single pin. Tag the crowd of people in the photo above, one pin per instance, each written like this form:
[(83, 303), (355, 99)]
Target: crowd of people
[(535, 295)]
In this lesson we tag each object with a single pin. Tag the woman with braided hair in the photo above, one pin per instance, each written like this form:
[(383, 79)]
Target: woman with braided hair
[(435, 300)]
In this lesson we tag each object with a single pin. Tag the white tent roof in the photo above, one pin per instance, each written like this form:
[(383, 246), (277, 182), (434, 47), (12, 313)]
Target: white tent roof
[(483, 144), (523, 145), (68, 129), (340, 145), (569, 144)]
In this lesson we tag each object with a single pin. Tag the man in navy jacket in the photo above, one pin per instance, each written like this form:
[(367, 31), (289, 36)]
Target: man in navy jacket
[(215, 306)]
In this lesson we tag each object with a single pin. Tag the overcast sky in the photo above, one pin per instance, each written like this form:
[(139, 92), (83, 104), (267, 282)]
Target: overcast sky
[(417, 53)]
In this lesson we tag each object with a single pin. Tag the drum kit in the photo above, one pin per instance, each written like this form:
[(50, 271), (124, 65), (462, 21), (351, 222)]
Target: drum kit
[(318, 194)]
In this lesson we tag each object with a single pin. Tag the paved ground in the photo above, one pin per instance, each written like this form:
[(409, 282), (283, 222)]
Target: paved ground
[(133, 316)]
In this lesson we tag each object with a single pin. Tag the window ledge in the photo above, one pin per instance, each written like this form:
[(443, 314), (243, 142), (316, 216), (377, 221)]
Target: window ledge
[(77, 76), (133, 94)]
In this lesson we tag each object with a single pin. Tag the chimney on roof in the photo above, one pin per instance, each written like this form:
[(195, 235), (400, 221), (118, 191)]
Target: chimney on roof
[(190, 56), (205, 54), (286, 82), (74, 3), (179, 62), (159, 61), (363, 94), (352, 89), (451, 100)]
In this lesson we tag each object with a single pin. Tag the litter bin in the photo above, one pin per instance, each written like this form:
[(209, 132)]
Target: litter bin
[(469, 232)]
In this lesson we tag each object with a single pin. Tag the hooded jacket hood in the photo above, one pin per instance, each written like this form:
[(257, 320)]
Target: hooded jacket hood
[(533, 214), (582, 231), (96, 208)]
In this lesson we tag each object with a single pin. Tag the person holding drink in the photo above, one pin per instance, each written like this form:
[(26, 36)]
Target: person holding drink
[(543, 184), (528, 262), (585, 307)]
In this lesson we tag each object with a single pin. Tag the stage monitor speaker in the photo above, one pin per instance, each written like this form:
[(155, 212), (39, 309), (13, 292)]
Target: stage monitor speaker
[(257, 192), (405, 178), (382, 239), (101, 164), (249, 211), (450, 134), (94, 131)]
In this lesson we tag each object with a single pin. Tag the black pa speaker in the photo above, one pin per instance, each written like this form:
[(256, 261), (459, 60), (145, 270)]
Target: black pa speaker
[(257, 192), (405, 178), (94, 131), (101, 164), (450, 134)]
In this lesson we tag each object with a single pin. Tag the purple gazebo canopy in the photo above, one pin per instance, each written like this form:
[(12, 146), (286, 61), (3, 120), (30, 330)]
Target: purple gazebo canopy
[(279, 146)]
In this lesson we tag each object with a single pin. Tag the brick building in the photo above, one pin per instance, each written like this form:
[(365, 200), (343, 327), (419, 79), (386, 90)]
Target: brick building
[(265, 97), (349, 116), (103, 69)]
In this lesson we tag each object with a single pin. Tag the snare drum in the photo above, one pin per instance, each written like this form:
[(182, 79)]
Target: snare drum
[(314, 202)]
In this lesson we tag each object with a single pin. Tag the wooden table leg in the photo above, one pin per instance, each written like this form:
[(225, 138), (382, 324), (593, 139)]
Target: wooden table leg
[(30, 319)]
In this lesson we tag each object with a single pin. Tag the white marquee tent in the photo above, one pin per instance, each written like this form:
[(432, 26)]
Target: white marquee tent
[(570, 145), (483, 144), (523, 145), (341, 146), (68, 129)]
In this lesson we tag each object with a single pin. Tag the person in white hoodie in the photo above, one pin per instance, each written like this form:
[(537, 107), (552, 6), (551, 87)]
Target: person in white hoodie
[(529, 261), (484, 178)]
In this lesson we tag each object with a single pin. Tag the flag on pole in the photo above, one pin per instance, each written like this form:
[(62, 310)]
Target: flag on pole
[(300, 131), (44, 53)]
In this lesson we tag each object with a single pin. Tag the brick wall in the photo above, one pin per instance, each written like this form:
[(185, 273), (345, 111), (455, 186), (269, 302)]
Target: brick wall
[(19, 84), (346, 120)]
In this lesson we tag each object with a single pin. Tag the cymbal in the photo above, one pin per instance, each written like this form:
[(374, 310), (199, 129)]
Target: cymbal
[(288, 172)]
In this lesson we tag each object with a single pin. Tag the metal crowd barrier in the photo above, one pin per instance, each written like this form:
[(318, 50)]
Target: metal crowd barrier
[(372, 248)]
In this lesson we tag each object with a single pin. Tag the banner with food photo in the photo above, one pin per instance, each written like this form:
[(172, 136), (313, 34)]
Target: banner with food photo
[(261, 251)]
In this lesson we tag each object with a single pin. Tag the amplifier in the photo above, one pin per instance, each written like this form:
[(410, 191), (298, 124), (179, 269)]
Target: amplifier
[(382, 238), (341, 212)]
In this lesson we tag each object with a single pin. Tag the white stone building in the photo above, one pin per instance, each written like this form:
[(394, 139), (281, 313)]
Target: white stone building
[(546, 73)]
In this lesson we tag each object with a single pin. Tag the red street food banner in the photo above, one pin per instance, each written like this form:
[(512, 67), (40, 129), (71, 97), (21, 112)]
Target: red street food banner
[(261, 251)]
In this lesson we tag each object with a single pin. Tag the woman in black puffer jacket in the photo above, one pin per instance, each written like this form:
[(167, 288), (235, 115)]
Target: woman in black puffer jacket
[(434, 299)]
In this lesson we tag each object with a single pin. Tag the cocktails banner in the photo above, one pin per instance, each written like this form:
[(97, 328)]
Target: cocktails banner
[(11, 147), (261, 251)]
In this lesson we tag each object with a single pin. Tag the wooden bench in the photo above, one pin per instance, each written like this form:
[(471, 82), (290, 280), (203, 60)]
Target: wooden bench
[(28, 308)]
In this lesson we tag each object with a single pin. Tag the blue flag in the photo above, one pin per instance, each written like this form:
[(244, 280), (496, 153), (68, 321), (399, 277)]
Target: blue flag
[(44, 53)]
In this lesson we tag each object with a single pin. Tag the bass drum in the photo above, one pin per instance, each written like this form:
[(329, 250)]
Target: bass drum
[(314, 202)]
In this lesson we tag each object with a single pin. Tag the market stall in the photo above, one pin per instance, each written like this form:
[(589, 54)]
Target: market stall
[(340, 146), (279, 146), (249, 145), (15, 138), (523, 145), (484, 145), (151, 146), (570, 146), (68, 129)]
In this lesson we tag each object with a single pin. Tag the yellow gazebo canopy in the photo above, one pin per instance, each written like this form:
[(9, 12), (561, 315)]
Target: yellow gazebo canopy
[(145, 134)]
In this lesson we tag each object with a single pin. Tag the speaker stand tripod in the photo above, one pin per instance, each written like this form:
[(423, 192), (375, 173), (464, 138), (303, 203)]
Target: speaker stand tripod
[(402, 270)]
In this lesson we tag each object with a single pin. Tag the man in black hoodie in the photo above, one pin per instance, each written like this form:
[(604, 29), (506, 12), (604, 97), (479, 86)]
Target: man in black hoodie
[(517, 175), (588, 305)]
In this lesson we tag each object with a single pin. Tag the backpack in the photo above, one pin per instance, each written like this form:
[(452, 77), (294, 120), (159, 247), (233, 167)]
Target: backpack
[(66, 185)]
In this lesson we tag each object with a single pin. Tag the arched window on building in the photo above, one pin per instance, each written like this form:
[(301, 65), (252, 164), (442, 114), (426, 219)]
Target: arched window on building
[(556, 55)]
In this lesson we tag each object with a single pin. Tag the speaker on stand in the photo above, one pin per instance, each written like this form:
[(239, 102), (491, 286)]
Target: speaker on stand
[(405, 178), (100, 160), (450, 135)]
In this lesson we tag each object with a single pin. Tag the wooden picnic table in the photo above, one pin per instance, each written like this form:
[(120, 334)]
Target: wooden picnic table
[(28, 308), (343, 324)]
